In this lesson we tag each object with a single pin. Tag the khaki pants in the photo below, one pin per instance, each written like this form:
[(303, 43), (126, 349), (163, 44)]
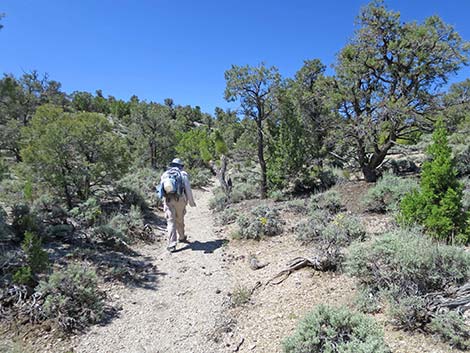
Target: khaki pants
[(175, 209)]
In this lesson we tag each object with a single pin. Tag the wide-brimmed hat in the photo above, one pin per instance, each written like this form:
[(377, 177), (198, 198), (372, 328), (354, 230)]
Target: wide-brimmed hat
[(177, 163)]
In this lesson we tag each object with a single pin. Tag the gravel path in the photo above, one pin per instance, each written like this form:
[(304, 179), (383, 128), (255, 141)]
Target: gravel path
[(183, 310)]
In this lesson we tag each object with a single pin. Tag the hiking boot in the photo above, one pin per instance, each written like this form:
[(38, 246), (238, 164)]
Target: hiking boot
[(184, 240), (171, 248)]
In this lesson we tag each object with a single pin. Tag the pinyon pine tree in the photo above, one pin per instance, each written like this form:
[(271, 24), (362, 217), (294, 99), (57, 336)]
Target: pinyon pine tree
[(438, 204)]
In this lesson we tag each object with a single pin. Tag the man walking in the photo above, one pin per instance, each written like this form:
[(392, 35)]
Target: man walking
[(175, 191)]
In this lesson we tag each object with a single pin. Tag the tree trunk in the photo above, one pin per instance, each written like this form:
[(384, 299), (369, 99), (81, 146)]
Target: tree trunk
[(370, 174), (153, 155), (225, 184), (262, 162)]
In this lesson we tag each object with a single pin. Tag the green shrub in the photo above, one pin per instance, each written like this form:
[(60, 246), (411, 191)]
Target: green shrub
[(138, 188), (262, 221), (343, 229), (37, 260), (387, 193), (408, 312), (72, 298), (240, 296), (244, 191), (313, 228), (466, 195), (277, 195), (297, 206), (219, 201), (462, 159), (329, 200), (438, 204), (53, 216), (3, 169), (6, 231), (367, 302), (228, 216), (405, 262), (127, 227), (87, 213), (336, 330), (451, 327), (24, 221), (199, 177), (340, 229)]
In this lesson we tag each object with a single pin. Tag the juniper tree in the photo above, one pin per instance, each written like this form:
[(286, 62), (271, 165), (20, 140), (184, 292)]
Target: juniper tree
[(388, 79), (254, 88), (437, 205)]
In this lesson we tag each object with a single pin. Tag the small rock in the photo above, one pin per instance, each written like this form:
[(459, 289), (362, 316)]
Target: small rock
[(218, 291)]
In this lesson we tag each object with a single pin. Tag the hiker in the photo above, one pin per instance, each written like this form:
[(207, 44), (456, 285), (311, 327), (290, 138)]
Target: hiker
[(175, 191)]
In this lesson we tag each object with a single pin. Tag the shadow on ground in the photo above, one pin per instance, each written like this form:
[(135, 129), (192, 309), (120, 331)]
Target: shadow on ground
[(113, 262), (208, 247)]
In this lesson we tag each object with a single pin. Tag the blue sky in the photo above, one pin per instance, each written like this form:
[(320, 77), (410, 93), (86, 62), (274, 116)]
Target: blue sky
[(181, 48)]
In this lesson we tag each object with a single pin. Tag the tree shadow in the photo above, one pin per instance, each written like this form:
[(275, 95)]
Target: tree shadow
[(113, 262), (207, 247)]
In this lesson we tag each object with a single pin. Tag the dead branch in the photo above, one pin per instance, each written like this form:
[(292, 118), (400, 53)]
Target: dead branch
[(317, 262)]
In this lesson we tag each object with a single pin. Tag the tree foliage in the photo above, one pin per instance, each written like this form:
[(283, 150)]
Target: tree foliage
[(438, 204), (254, 87), (73, 153), (388, 78)]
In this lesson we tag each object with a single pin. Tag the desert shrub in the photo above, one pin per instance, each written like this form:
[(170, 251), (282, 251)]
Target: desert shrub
[(406, 263), (199, 177), (228, 216), (87, 213), (53, 217), (451, 327), (219, 201), (6, 231), (262, 221), (127, 227), (240, 296), (408, 312), (462, 159), (72, 298), (37, 260), (277, 195), (438, 204), (367, 302), (138, 188), (312, 228), (24, 221), (329, 200), (3, 169), (387, 193), (244, 191), (297, 206), (342, 230), (335, 330), (404, 268), (466, 195)]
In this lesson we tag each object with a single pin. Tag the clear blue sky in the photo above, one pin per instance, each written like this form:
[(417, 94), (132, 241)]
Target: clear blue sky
[(181, 48)]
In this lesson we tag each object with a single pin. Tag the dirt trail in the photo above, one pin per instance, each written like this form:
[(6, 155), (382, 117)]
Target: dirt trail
[(182, 310)]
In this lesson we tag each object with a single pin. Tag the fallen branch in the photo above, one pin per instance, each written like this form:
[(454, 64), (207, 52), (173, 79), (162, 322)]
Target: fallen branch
[(317, 262)]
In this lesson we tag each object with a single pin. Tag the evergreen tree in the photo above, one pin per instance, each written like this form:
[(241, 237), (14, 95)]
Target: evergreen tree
[(438, 204)]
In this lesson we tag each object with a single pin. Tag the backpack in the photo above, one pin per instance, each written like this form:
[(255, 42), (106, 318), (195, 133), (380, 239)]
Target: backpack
[(172, 183)]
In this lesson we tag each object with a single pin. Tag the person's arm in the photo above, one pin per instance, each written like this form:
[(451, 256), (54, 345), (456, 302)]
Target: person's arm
[(187, 190)]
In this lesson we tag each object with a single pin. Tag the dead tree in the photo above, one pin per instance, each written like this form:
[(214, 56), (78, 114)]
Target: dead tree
[(225, 183)]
